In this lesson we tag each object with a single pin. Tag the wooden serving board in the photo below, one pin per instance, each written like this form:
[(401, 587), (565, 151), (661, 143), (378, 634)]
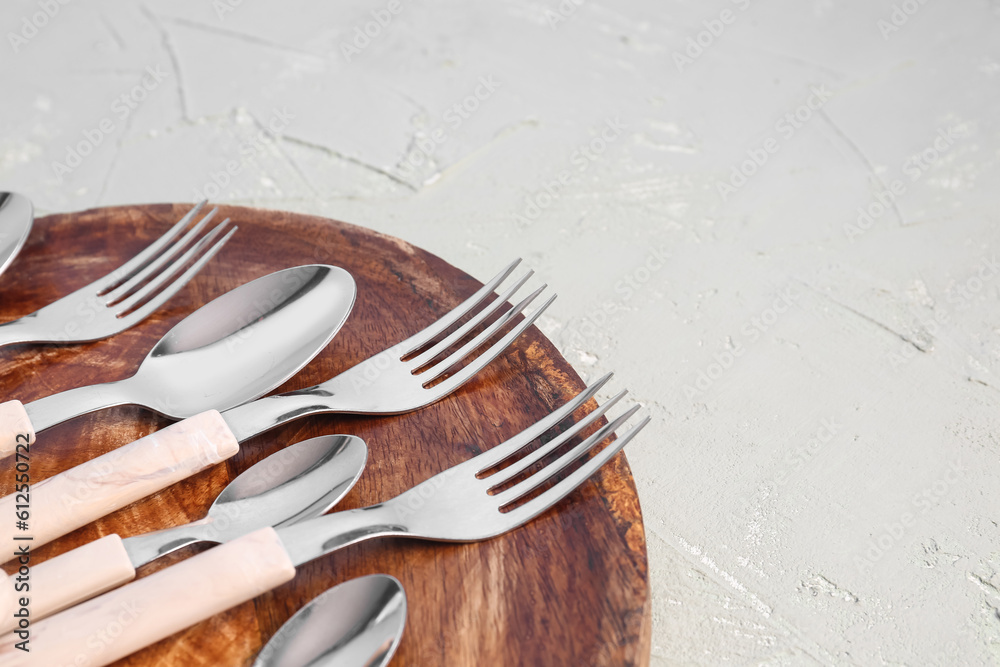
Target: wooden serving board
[(569, 588)]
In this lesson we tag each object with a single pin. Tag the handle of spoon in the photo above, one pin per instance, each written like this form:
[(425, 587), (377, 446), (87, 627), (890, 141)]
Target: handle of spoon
[(16, 432), (64, 502), (17, 419), (57, 408), (156, 606), (68, 579)]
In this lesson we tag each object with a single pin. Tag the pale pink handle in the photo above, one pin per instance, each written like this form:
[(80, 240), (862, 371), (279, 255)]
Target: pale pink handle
[(129, 618), (15, 428), (102, 485), (71, 578)]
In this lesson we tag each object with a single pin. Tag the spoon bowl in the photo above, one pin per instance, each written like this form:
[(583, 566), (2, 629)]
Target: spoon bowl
[(298, 482), (359, 622), (16, 217), (246, 342)]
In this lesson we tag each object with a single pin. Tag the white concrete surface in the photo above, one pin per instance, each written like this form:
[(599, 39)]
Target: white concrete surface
[(820, 484)]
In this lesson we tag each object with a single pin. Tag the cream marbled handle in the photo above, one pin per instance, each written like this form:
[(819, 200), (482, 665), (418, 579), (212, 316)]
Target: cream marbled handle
[(71, 578), (109, 482), (15, 428), (129, 618)]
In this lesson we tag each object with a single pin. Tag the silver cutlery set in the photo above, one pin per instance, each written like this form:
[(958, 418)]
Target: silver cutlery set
[(234, 350)]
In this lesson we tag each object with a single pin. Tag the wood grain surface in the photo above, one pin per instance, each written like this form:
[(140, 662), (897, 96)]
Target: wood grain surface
[(569, 588)]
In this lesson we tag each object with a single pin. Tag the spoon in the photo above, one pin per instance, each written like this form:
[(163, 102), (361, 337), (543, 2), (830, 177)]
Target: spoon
[(16, 217), (299, 482), (359, 622), (231, 350)]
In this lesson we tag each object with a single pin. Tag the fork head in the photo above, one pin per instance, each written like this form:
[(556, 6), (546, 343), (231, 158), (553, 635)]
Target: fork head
[(428, 366), (134, 290), (468, 502)]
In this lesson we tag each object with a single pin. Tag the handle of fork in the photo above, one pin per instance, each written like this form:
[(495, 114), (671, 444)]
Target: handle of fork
[(17, 331), (262, 415)]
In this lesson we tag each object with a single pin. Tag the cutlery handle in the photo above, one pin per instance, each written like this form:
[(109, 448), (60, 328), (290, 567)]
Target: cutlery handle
[(262, 415), (15, 429), (76, 497), (71, 578), (147, 547), (129, 618), (18, 331)]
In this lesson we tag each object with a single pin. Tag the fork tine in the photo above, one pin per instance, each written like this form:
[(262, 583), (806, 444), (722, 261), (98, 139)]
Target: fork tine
[(540, 477), (480, 362), (504, 450), (137, 263), (443, 366), (160, 265), (512, 471), (424, 336), (460, 333), (177, 282), (551, 496)]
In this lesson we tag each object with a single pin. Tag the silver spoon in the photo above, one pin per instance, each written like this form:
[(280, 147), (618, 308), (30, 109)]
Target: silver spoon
[(16, 218), (299, 482), (295, 483), (358, 623), (231, 350)]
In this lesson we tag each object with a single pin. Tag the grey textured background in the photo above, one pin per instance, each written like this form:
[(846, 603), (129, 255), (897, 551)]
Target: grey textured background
[(775, 221)]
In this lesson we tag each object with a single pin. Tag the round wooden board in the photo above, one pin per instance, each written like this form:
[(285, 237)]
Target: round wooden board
[(569, 588)]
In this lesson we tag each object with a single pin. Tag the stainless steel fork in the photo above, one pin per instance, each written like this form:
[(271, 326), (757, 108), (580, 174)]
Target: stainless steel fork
[(463, 503), (395, 381), (456, 505), (120, 299)]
